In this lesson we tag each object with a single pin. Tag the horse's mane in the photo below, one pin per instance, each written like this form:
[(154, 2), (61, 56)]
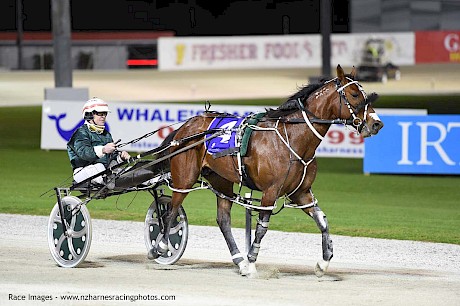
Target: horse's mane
[(291, 104)]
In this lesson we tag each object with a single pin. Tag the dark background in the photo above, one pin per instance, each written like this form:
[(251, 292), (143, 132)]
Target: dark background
[(197, 17)]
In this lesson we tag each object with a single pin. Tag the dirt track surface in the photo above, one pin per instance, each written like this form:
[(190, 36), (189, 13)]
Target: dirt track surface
[(27, 88), (363, 271)]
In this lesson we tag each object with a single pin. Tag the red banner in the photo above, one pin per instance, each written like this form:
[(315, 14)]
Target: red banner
[(437, 47)]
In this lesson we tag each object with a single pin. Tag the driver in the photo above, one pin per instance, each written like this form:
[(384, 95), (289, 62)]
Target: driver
[(91, 147)]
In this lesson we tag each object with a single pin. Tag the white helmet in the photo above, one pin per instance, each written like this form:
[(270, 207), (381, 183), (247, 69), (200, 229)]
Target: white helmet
[(94, 105)]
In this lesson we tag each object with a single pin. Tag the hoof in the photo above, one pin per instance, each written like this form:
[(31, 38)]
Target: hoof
[(321, 268), (153, 254), (158, 250), (248, 269), (244, 267), (252, 270)]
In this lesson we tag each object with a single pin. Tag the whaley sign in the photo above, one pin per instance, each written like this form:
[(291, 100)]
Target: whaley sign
[(415, 145), (128, 121)]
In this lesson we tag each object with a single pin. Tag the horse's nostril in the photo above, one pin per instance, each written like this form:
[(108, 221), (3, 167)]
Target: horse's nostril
[(376, 126)]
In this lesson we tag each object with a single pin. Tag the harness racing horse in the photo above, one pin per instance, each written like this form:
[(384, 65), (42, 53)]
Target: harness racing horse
[(280, 160)]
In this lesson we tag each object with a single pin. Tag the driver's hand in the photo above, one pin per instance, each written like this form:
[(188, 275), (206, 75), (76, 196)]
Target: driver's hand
[(109, 148), (125, 155)]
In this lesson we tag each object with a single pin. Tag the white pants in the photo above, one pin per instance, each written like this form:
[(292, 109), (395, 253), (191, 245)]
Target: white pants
[(82, 173)]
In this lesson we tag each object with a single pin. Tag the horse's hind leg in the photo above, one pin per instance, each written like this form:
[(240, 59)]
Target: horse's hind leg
[(224, 222), (261, 230), (268, 199), (224, 217), (162, 246), (182, 180)]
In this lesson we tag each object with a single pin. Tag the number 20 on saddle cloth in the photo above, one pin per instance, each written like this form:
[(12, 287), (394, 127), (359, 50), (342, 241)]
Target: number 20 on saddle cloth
[(236, 136)]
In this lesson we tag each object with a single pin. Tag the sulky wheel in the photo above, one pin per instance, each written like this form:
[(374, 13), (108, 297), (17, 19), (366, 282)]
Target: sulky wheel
[(178, 233), (69, 250)]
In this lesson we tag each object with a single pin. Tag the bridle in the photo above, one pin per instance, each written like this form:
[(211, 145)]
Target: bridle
[(353, 120), (356, 122)]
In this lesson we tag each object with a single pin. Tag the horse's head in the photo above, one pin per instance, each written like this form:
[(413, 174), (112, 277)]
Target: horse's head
[(354, 105)]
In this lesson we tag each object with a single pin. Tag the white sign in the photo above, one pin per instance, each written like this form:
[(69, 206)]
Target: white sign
[(348, 49), (128, 121), (187, 53), (277, 51)]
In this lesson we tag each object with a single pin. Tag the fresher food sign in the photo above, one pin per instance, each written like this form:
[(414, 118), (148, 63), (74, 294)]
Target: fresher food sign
[(275, 51)]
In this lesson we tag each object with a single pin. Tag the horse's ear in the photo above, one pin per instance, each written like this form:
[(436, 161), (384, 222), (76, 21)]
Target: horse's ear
[(353, 73), (340, 73)]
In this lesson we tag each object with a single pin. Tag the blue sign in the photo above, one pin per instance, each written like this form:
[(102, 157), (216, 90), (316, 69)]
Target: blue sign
[(415, 145)]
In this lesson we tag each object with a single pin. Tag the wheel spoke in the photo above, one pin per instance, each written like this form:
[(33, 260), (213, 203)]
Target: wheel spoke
[(57, 218), (80, 233), (72, 249), (149, 218), (59, 244), (152, 221), (179, 226)]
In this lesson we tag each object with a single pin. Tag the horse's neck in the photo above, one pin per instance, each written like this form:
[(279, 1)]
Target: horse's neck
[(320, 105), (302, 139), (321, 102)]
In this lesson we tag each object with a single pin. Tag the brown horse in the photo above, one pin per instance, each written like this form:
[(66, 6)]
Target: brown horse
[(280, 160)]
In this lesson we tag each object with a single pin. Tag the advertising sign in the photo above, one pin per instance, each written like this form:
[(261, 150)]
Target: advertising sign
[(275, 51), (187, 53), (437, 47), (348, 49), (415, 145), (128, 121)]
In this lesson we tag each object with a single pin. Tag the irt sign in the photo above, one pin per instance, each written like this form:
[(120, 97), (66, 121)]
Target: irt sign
[(415, 144)]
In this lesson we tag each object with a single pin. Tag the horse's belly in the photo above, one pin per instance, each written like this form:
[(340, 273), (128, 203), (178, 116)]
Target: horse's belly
[(225, 167)]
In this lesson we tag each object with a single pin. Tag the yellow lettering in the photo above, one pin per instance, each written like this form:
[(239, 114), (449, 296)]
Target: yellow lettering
[(180, 53), (454, 57)]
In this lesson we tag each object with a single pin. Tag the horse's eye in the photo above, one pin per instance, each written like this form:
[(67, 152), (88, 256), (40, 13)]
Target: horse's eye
[(355, 95)]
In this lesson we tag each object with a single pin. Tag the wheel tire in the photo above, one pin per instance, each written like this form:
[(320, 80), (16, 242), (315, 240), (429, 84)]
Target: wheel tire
[(71, 250), (178, 233)]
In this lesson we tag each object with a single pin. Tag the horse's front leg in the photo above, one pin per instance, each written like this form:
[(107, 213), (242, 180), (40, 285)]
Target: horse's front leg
[(303, 197), (321, 221)]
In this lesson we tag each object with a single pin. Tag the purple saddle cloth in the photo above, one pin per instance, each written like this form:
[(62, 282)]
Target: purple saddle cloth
[(224, 144)]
